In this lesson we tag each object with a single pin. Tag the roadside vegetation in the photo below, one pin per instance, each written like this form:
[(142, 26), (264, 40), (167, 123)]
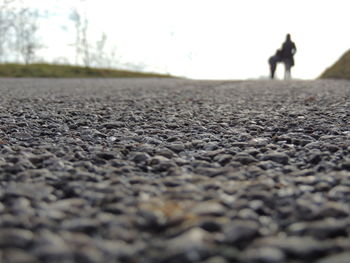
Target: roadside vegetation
[(340, 69), (67, 71)]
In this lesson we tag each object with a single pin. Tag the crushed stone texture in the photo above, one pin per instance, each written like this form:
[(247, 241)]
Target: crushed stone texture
[(174, 170)]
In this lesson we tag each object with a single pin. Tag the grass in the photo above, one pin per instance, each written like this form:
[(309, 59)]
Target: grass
[(67, 71), (340, 69)]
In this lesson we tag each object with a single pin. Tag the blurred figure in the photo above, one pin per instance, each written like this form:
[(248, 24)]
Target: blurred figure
[(288, 51), (273, 63)]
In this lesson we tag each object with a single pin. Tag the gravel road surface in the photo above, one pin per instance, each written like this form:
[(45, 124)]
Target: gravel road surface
[(174, 171)]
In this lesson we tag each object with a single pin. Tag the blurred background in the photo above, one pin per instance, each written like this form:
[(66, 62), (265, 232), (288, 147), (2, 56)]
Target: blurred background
[(200, 39)]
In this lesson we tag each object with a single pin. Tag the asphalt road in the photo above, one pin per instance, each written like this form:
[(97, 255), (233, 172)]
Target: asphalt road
[(174, 170)]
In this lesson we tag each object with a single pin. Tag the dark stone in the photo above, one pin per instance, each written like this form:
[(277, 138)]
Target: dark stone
[(244, 159), (239, 233), (13, 255), (315, 158), (211, 226), (15, 238), (304, 248), (336, 258), (346, 165), (277, 157), (106, 156)]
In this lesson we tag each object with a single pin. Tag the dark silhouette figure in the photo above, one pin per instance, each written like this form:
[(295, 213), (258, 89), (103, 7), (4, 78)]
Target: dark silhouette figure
[(288, 51), (273, 60)]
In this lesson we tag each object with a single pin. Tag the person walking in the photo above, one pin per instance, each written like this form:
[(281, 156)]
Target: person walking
[(288, 51), (273, 60)]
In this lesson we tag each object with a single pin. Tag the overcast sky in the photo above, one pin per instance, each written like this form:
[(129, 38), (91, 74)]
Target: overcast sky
[(211, 39)]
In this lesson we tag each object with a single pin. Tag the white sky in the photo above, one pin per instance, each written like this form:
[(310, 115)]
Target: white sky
[(212, 39)]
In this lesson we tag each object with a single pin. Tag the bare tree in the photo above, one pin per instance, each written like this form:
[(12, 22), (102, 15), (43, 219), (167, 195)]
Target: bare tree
[(76, 18), (19, 40), (85, 43), (88, 51), (19, 26), (82, 46), (26, 28), (7, 16), (100, 57)]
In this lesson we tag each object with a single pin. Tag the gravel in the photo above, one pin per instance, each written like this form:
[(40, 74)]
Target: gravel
[(174, 170)]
